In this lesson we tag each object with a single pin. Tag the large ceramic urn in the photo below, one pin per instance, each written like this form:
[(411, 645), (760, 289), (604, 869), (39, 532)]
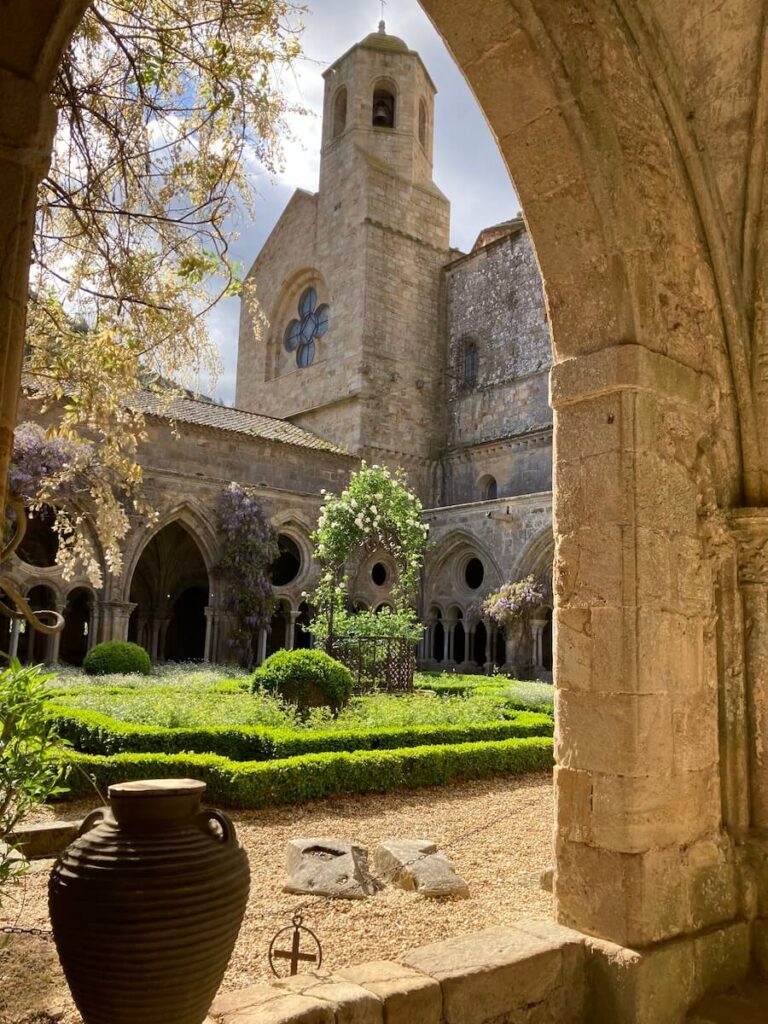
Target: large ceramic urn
[(146, 905)]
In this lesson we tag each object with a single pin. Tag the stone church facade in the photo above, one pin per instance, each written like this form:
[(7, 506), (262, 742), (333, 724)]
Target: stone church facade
[(374, 340)]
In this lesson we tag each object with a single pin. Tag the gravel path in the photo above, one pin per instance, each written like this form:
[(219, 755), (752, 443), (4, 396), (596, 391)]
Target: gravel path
[(498, 834)]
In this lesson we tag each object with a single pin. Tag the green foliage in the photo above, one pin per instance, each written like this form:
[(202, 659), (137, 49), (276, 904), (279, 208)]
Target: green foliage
[(526, 694), (354, 625), (256, 784), (249, 547), (376, 508), (183, 676), (116, 657), (305, 678), (31, 767), (94, 733)]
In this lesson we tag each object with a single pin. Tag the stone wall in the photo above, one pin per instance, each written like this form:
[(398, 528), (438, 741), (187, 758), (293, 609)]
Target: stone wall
[(494, 302)]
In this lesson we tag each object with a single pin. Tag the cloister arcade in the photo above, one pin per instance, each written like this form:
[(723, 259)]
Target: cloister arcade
[(635, 135)]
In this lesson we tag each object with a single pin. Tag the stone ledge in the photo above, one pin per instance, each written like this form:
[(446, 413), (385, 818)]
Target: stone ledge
[(47, 840), (532, 972)]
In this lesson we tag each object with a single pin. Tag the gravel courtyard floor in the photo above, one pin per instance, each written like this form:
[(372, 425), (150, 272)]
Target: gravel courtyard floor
[(498, 834)]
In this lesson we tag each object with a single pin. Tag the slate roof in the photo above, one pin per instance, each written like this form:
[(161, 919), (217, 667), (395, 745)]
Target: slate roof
[(221, 417)]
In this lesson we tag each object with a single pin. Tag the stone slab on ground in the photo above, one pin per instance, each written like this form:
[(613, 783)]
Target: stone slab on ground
[(327, 867), (416, 865)]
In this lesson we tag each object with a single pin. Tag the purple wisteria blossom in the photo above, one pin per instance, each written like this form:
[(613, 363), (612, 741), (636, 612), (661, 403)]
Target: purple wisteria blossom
[(249, 547)]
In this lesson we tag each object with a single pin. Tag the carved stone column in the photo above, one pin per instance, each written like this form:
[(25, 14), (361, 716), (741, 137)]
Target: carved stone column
[(450, 629), (27, 124), (261, 653), (115, 616)]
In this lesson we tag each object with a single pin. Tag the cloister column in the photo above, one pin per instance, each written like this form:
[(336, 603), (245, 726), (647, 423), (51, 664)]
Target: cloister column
[(93, 623), (750, 527), (261, 655), (537, 629), (640, 852), (210, 616), (450, 629), (290, 633), (115, 616), (27, 124), (13, 647), (53, 647)]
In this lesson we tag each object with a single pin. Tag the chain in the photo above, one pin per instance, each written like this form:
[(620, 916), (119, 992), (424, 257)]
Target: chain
[(38, 933)]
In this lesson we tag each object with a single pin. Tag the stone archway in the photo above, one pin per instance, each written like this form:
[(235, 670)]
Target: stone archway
[(634, 134), (170, 589)]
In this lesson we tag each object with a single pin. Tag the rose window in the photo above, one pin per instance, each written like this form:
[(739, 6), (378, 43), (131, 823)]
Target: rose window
[(301, 335)]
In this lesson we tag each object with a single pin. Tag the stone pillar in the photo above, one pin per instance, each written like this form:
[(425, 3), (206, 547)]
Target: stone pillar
[(641, 855), (115, 616), (13, 647), (93, 623), (290, 630), (469, 645), (53, 645), (261, 655), (161, 626), (210, 624), (537, 630), (749, 743), (27, 124), (450, 629)]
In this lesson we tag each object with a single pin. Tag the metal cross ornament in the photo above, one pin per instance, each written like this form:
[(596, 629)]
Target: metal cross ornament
[(294, 954)]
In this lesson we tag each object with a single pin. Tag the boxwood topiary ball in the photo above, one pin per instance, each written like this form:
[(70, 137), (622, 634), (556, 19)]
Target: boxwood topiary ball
[(116, 657), (306, 678)]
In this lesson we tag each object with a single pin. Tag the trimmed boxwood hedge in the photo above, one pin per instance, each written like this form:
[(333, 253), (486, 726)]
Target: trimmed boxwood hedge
[(116, 657), (91, 732), (305, 677), (256, 784)]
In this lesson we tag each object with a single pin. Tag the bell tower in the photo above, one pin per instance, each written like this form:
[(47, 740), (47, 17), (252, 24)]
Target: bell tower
[(380, 97), (350, 278)]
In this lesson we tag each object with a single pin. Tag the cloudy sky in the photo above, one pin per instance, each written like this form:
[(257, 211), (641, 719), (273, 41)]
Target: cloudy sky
[(468, 167)]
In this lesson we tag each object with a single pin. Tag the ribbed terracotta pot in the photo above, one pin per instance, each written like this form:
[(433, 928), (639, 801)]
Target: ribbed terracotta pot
[(146, 905)]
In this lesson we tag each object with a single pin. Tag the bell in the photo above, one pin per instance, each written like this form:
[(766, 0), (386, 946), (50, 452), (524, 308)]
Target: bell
[(382, 114)]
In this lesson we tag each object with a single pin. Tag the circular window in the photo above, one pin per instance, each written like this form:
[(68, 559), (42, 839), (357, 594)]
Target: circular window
[(379, 574), (287, 565), (41, 543), (474, 573)]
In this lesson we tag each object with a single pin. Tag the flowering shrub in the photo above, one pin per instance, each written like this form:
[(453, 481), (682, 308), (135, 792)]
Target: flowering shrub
[(249, 546), (378, 510), (59, 471), (514, 601)]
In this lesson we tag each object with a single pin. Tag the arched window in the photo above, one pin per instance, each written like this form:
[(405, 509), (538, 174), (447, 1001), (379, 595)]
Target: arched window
[(383, 113), (489, 489), (471, 361), (340, 112), (423, 123)]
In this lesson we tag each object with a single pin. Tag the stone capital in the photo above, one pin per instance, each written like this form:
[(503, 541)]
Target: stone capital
[(27, 123), (750, 528), (627, 367)]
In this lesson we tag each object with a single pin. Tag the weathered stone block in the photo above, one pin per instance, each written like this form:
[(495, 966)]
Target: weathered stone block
[(417, 866), (45, 840), (406, 995), (327, 867), (350, 1003), (489, 975), (269, 1004)]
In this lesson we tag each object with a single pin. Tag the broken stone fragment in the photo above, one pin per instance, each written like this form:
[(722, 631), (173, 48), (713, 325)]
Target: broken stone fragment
[(327, 867), (416, 865)]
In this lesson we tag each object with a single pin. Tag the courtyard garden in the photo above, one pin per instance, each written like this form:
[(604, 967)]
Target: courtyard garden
[(254, 748)]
